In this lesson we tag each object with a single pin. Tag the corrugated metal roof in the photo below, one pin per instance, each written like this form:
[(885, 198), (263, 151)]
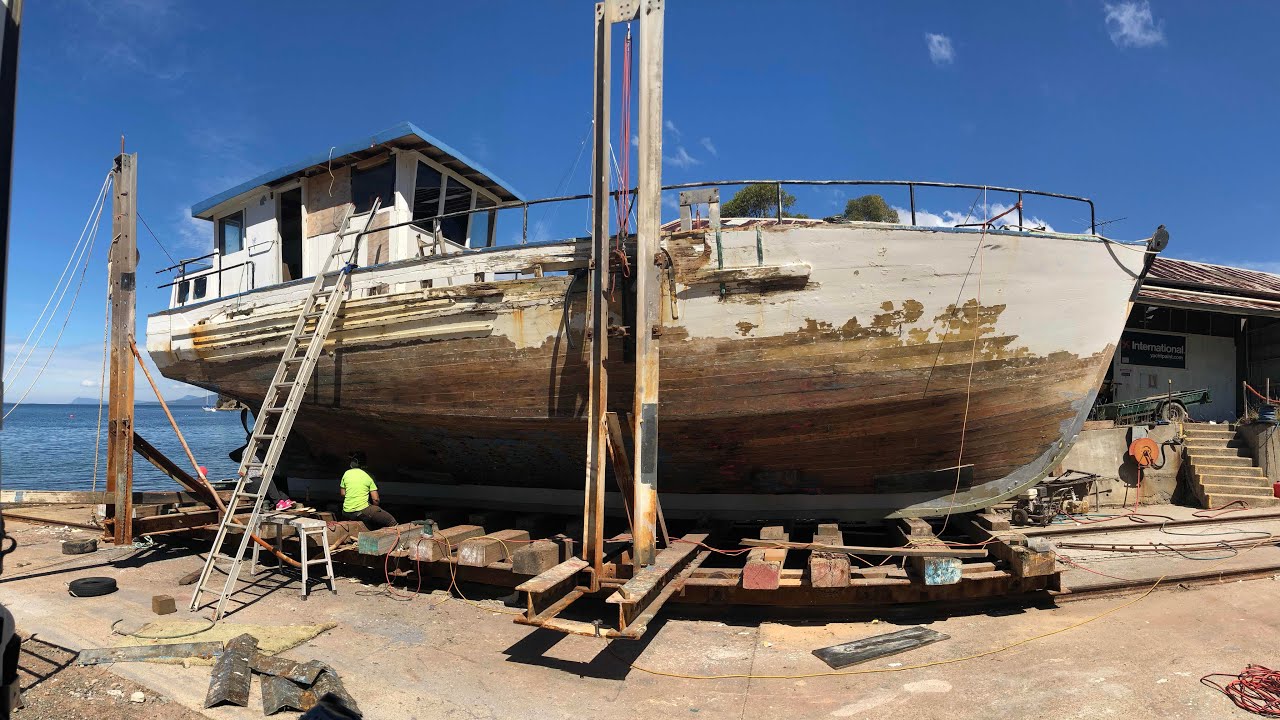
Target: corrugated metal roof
[(1199, 300), (1169, 272), (406, 134)]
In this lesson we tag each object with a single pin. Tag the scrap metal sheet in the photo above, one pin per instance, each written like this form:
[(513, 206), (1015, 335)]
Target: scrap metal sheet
[(232, 674)]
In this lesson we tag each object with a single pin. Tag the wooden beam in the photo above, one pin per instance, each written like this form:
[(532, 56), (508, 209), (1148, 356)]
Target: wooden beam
[(829, 569), (1011, 547), (491, 548), (764, 564), (65, 497), (598, 299), (122, 296), (648, 276), (162, 463), (385, 540), (870, 550), (917, 533), (643, 595), (443, 544)]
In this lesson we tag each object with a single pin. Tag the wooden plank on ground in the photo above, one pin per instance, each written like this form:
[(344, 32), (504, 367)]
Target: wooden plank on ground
[(852, 653), (828, 569), (764, 564), (175, 521), (491, 548)]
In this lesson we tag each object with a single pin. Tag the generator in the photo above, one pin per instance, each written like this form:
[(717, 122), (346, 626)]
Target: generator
[(1067, 494)]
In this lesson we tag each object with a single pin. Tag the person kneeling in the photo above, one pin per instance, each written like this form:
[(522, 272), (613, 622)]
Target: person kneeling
[(360, 497)]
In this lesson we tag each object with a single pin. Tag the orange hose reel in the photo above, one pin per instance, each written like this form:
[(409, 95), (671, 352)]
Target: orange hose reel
[(1145, 451)]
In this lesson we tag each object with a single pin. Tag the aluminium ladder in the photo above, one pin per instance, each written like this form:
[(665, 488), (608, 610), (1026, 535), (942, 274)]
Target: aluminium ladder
[(280, 406)]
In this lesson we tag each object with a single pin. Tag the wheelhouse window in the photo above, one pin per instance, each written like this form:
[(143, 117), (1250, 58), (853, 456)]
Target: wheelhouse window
[(231, 233), (427, 202), (426, 192), (372, 183)]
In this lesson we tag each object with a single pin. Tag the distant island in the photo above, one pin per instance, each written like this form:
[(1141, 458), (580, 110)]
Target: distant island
[(184, 400)]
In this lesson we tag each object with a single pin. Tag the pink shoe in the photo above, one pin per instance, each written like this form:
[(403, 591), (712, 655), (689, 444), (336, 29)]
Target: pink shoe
[(285, 504)]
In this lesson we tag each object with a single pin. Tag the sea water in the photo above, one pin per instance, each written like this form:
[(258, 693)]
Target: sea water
[(51, 447)]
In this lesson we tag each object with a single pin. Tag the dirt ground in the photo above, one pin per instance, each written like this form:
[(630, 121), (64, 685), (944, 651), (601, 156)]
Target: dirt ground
[(54, 688), (435, 656)]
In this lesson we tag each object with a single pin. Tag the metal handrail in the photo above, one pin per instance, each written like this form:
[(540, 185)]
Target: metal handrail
[(911, 186)]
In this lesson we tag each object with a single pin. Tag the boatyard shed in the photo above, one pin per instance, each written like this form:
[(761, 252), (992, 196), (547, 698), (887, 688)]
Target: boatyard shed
[(1196, 325)]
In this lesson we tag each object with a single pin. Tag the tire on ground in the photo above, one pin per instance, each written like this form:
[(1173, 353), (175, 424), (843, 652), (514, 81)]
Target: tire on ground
[(92, 587)]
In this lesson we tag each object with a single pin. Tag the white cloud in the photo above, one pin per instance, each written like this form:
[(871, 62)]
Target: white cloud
[(1266, 266), (951, 218), (682, 158), (940, 50), (708, 146), (193, 233), (671, 128), (1131, 24), (88, 383), (635, 141)]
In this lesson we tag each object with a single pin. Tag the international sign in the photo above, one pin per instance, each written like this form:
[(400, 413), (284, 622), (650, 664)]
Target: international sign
[(1138, 348)]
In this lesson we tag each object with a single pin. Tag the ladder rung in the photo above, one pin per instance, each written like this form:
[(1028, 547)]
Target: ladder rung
[(286, 383), (272, 410), (294, 359)]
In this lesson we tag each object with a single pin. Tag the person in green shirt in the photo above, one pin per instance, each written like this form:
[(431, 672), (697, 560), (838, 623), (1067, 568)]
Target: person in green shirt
[(360, 496)]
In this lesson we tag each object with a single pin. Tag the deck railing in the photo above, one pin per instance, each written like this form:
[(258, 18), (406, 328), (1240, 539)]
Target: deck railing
[(524, 206)]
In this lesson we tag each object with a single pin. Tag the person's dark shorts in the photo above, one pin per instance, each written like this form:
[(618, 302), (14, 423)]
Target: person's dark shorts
[(373, 517)]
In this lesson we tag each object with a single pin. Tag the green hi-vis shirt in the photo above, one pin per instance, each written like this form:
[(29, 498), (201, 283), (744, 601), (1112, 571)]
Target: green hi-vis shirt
[(358, 485)]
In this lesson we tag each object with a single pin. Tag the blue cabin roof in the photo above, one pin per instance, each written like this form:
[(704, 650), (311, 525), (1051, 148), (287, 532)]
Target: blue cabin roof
[(404, 135)]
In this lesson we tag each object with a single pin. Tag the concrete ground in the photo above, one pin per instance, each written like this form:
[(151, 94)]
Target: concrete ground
[(434, 656)]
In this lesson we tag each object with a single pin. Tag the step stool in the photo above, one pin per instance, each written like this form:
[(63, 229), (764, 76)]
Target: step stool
[(306, 528)]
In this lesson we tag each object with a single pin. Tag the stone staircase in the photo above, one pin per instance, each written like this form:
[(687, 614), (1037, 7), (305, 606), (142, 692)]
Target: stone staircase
[(1222, 469)]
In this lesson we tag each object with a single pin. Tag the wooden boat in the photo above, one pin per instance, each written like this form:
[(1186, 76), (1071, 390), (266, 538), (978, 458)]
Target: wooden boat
[(809, 368)]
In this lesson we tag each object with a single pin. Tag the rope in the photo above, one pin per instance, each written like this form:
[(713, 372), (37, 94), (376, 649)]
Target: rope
[(973, 358), (157, 239), (1264, 398), (102, 381), (86, 256), (78, 253)]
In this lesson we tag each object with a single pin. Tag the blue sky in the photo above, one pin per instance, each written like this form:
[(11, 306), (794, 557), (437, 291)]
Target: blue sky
[(1162, 113)]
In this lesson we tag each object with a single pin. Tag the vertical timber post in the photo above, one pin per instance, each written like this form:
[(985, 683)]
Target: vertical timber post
[(598, 310), (122, 295), (648, 284)]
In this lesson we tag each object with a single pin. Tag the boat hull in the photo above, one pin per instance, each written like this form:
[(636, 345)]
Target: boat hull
[(844, 371)]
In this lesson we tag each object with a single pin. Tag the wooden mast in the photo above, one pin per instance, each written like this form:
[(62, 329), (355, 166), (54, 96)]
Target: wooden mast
[(122, 296)]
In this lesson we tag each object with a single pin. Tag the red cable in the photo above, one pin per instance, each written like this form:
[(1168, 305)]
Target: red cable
[(1257, 689)]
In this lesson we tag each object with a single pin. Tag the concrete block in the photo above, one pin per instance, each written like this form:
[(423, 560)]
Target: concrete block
[(163, 604)]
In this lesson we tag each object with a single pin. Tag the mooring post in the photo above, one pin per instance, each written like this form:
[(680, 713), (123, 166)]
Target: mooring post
[(598, 307), (122, 294), (648, 285)]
